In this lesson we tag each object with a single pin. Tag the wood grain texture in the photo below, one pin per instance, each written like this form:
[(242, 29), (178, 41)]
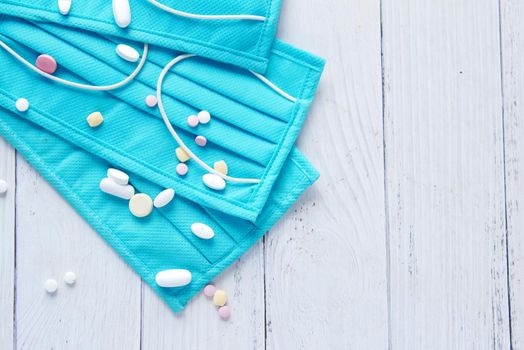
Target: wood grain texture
[(512, 45), (102, 310), (199, 326), (326, 280), (445, 175), (7, 246)]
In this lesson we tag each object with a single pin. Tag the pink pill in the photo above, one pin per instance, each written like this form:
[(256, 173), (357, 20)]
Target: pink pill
[(192, 121), (209, 290), (224, 312), (151, 101), (181, 169), (46, 64), (201, 141)]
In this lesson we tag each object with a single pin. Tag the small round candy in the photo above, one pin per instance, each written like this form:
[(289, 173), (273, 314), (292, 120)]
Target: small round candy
[(201, 141), (3, 186), (192, 121), (46, 64), (51, 286), (181, 169), (204, 117), (141, 205), (224, 312), (209, 290), (70, 278), (151, 101), (22, 105), (220, 298)]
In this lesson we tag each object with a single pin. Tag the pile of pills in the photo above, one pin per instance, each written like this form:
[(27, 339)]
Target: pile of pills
[(219, 299)]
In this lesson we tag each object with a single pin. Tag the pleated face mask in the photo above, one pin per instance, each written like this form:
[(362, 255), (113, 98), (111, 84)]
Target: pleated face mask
[(254, 119), (230, 31)]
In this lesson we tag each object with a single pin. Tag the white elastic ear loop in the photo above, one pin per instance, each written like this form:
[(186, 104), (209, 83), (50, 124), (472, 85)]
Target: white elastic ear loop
[(206, 17), (179, 140), (78, 85)]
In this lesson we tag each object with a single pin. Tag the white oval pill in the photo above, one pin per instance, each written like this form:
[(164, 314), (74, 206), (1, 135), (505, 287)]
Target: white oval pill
[(70, 278), (51, 285), (141, 205), (22, 104), (204, 117), (127, 53), (214, 182), (110, 187), (122, 13), (164, 197), (118, 176), (3, 186), (173, 278), (64, 6), (202, 230)]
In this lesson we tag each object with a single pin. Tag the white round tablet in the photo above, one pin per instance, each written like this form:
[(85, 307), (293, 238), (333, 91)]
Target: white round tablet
[(204, 117), (70, 278), (3, 186), (51, 285), (22, 104), (141, 205)]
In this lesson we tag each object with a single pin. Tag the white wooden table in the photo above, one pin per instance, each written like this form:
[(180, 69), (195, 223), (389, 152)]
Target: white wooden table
[(411, 239)]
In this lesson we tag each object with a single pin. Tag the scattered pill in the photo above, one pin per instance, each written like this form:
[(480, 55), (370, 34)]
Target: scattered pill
[(118, 176), (70, 278), (202, 230), (110, 187), (192, 121), (210, 290), (141, 205), (220, 298), (221, 167), (164, 198), (51, 286), (173, 278), (201, 141), (3, 186), (122, 13), (214, 182), (224, 312), (151, 101), (22, 105), (64, 6), (204, 117), (127, 53), (95, 119), (182, 155), (181, 169), (46, 64)]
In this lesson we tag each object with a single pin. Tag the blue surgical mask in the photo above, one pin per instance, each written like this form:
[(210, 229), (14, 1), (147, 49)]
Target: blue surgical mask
[(255, 119), (230, 31)]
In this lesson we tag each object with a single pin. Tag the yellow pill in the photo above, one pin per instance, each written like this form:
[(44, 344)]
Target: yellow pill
[(221, 167), (95, 119), (220, 298), (182, 155)]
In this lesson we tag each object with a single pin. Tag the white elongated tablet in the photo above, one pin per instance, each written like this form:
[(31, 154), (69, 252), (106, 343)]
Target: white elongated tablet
[(164, 198), (127, 53), (214, 182), (110, 187), (64, 6), (202, 230), (118, 176), (173, 278), (122, 13)]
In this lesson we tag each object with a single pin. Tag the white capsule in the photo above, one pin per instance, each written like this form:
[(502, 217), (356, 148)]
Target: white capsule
[(51, 285), (202, 230), (118, 176), (214, 182), (110, 187), (164, 198), (127, 53), (122, 13), (64, 6), (173, 278), (3, 186)]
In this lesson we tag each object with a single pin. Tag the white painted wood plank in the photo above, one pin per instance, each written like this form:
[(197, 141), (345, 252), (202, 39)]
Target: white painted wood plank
[(326, 259), (7, 245), (102, 311), (199, 326), (512, 36), (444, 175)]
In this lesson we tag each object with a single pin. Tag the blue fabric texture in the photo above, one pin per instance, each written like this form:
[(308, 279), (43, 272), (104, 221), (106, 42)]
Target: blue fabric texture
[(243, 43), (253, 128)]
